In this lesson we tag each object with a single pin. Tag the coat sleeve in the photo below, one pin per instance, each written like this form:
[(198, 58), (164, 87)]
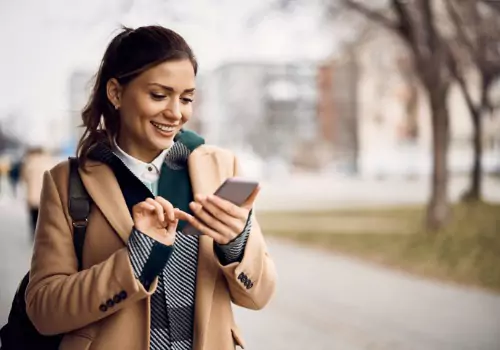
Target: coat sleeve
[(252, 281), (59, 299)]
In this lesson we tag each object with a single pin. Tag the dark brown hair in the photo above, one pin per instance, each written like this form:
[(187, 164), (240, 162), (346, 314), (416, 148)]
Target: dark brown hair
[(130, 53)]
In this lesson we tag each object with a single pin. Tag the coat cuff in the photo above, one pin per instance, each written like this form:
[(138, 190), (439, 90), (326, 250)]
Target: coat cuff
[(234, 250)]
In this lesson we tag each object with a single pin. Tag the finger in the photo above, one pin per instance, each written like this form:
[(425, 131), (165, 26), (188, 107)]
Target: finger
[(211, 222), (197, 224), (234, 224), (143, 206), (158, 209), (205, 230), (229, 208), (250, 200), (181, 215), (172, 227), (168, 208)]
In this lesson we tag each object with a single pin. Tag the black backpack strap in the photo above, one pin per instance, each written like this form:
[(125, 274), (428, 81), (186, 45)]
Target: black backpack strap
[(78, 207)]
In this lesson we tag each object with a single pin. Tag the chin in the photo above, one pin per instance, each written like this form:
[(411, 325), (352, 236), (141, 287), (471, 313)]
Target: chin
[(162, 144)]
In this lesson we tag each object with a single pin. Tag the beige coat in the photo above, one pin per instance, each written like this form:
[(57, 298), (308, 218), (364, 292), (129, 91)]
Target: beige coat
[(32, 171), (62, 300)]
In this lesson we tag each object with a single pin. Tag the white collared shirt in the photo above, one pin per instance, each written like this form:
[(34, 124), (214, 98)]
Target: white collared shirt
[(148, 173)]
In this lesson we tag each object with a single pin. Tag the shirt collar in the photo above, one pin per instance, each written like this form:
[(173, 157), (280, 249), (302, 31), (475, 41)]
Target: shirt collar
[(149, 172)]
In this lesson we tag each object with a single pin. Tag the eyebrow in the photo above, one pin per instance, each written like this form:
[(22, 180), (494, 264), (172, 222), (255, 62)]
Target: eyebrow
[(171, 88)]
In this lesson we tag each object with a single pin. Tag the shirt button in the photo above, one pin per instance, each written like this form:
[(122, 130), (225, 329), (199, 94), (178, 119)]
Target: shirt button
[(150, 168)]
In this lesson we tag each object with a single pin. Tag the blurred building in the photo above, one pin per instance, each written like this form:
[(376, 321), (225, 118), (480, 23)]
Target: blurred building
[(338, 102), (266, 109), (380, 114)]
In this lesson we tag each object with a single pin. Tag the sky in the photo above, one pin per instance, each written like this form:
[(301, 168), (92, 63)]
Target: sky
[(44, 41)]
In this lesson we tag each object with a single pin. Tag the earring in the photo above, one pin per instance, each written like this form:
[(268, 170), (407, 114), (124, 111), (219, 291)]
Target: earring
[(116, 107)]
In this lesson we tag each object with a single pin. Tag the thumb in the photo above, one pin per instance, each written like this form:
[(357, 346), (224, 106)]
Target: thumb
[(251, 199), (172, 226)]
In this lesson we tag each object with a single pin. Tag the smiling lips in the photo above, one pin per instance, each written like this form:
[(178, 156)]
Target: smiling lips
[(164, 127)]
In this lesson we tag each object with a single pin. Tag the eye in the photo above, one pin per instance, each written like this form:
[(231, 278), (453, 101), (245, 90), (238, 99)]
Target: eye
[(157, 97), (186, 100)]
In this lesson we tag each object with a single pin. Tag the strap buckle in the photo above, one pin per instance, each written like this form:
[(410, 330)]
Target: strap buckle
[(80, 223)]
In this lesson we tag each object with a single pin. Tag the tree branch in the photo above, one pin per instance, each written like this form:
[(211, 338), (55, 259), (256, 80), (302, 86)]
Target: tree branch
[(493, 4), (432, 36), (405, 28), (372, 15), (459, 28), (473, 108)]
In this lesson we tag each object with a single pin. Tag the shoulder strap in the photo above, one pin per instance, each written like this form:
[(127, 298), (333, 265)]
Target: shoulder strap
[(78, 207)]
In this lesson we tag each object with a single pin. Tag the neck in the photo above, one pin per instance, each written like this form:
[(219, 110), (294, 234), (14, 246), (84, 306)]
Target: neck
[(138, 152)]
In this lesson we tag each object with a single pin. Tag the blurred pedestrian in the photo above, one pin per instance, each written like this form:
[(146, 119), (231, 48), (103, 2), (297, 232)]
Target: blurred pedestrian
[(15, 176), (34, 164), (144, 284), (4, 173)]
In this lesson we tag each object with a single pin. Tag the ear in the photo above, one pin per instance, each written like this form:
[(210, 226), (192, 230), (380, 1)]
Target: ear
[(114, 92)]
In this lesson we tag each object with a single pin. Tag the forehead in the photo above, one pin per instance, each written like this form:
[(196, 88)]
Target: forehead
[(177, 74)]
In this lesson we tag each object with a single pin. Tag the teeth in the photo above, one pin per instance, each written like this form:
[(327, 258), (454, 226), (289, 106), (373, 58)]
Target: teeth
[(163, 127)]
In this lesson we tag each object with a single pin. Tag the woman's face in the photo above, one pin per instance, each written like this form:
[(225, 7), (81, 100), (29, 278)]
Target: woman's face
[(153, 107)]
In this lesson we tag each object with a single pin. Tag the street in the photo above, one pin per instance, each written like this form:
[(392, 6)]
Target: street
[(324, 301)]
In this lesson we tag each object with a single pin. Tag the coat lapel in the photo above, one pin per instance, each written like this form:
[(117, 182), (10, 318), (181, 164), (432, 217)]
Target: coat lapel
[(102, 186), (205, 176)]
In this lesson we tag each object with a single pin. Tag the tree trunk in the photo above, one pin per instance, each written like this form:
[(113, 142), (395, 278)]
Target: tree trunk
[(474, 192), (438, 210)]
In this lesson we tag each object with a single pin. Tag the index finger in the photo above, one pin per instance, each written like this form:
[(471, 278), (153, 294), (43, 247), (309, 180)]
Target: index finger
[(158, 208), (167, 207)]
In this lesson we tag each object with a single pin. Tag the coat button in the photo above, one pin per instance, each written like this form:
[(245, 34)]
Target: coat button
[(117, 299), (110, 303), (123, 295), (103, 308), (244, 279), (240, 277), (250, 285)]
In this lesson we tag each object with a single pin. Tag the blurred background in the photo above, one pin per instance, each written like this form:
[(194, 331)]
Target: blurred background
[(374, 127)]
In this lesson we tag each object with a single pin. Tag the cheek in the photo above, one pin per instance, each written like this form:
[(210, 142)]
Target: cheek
[(137, 110), (186, 112)]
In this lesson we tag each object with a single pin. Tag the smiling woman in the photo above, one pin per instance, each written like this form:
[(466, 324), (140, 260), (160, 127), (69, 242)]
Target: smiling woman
[(151, 111), (143, 283), (154, 86)]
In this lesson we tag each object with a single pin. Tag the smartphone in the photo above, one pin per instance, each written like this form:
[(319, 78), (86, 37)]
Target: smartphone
[(235, 190)]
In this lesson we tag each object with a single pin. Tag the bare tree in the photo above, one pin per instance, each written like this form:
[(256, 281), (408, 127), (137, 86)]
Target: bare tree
[(414, 22), (411, 98), (477, 32)]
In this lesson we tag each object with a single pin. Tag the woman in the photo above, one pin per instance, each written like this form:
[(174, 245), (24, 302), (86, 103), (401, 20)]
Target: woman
[(145, 285), (35, 163)]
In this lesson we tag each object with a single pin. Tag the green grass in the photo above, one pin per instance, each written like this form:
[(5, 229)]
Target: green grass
[(466, 252)]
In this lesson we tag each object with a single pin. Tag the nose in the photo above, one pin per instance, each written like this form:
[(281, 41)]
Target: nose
[(173, 109)]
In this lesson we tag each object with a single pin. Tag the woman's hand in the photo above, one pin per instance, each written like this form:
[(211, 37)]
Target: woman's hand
[(156, 218), (217, 217)]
